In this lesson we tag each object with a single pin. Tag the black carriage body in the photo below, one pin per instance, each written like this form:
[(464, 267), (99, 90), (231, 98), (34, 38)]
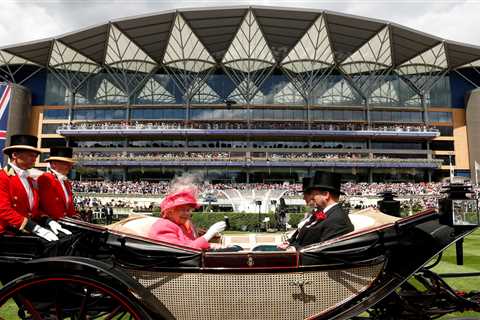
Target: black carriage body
[(337, 279)]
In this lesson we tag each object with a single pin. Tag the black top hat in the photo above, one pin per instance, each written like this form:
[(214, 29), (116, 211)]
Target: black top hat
[(61, 154), (326, 181), (306, 183), (22, 142)]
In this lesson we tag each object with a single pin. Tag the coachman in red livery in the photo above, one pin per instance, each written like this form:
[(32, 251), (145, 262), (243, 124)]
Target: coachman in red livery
[(18, 193), (55, 190)]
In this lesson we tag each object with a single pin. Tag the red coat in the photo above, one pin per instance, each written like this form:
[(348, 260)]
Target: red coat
[(52, 197), (168, 231), (14, 204)]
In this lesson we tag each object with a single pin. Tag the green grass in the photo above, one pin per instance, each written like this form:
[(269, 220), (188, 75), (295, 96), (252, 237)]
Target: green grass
[(471, 252), (9, 311), (448, 265)]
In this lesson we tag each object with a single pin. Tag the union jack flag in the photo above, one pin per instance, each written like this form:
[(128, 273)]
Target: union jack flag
[(5, 97)]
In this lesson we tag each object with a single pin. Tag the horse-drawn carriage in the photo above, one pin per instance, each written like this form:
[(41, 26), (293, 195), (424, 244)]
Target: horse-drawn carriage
[(99, 273)]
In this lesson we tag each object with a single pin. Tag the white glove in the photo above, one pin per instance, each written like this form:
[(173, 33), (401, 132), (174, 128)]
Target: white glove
[(44, 233), (55, 226), (214, 229)]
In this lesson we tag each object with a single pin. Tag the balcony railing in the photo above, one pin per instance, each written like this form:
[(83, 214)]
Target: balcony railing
[(236, 129), (227, 160)]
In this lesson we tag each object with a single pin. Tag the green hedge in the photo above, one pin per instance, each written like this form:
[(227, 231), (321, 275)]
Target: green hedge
[(240, 221)]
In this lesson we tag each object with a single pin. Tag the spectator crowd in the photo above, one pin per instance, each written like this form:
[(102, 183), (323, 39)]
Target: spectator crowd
[(241, 156), (423, 195), (223, 125), (293, 189)]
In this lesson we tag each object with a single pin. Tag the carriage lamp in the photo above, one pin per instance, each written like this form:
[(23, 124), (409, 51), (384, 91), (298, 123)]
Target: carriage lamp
[(459, 210), (388, 205), (460, 207)]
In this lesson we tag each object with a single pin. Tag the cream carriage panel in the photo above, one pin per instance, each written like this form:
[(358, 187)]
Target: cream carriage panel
[(280, 295)]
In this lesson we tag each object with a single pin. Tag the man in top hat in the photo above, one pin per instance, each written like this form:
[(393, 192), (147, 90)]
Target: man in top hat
[(329, 220), (55, 190), (18, 195), (307, 197)]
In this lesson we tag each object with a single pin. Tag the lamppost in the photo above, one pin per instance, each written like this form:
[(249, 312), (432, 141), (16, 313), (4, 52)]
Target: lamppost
[(259, 204), (277, 220)]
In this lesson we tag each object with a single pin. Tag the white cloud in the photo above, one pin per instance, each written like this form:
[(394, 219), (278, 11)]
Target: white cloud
[(28, 20), (20, 24)]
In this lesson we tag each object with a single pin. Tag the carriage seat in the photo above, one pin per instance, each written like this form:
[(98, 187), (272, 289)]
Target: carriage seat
[(135, 224), (370, 218)]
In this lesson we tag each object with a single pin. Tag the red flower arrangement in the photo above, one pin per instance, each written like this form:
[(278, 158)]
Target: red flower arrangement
[(320, 215)]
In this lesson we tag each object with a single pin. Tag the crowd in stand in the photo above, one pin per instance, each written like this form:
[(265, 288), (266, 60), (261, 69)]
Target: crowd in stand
[(238, 156), (294, 189), (422, 195), (285, 125), (121, 187)]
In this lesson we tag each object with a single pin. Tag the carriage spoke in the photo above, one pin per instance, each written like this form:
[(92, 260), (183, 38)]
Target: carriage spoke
[(28, 306), (58, 311), (113, 313), (83, 305)]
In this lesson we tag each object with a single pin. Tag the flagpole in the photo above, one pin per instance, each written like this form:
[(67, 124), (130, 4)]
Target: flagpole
[(476, 172), (451, 169)]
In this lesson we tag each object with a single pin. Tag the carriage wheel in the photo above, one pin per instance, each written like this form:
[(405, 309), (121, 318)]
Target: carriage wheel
[(68, 297)]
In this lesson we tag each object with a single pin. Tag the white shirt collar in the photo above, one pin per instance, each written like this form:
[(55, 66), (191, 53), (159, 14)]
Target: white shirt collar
[(60, 176), (329, 207), (20, 172)]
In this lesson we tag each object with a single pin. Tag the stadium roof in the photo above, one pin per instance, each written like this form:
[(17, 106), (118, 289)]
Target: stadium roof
[(197, 39)]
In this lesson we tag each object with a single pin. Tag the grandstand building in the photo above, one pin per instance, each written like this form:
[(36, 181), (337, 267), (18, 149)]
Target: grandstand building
[(253, 94)]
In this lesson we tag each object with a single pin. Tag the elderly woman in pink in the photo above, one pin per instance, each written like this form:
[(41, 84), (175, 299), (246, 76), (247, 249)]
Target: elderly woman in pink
[(176, 226)]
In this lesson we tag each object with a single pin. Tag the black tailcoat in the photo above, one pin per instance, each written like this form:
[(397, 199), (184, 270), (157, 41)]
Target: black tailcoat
[(336, 224)]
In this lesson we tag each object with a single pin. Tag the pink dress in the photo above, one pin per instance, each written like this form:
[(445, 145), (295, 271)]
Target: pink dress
[(168, 231)]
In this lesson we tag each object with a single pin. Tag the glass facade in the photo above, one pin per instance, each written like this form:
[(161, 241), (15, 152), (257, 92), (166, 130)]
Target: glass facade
[(440, 116), (99, 114), (396, 116), (55, 114), (337, 115), (276, 89), (398, 145), (50, 128), (158, 114)]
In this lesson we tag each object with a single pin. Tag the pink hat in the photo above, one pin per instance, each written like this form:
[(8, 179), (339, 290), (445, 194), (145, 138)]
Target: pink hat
[(179, 198)]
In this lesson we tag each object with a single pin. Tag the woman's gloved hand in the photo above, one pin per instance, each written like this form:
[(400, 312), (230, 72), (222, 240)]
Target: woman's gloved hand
[(214, 229)]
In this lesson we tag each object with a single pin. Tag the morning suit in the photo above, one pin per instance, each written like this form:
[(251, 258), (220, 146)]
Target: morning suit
[(53, 200), (336, 224), (168, 231), (14, 201)]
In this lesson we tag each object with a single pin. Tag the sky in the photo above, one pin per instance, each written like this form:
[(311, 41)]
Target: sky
[(29, 20)]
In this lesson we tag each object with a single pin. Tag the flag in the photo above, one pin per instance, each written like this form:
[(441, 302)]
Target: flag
[(5, 97)]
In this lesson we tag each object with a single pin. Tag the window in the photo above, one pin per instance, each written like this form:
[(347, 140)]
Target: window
[(49, 128), (445, 131), (55, 114), (48, 143), (440, 116), (397, 145), (442, 145)]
